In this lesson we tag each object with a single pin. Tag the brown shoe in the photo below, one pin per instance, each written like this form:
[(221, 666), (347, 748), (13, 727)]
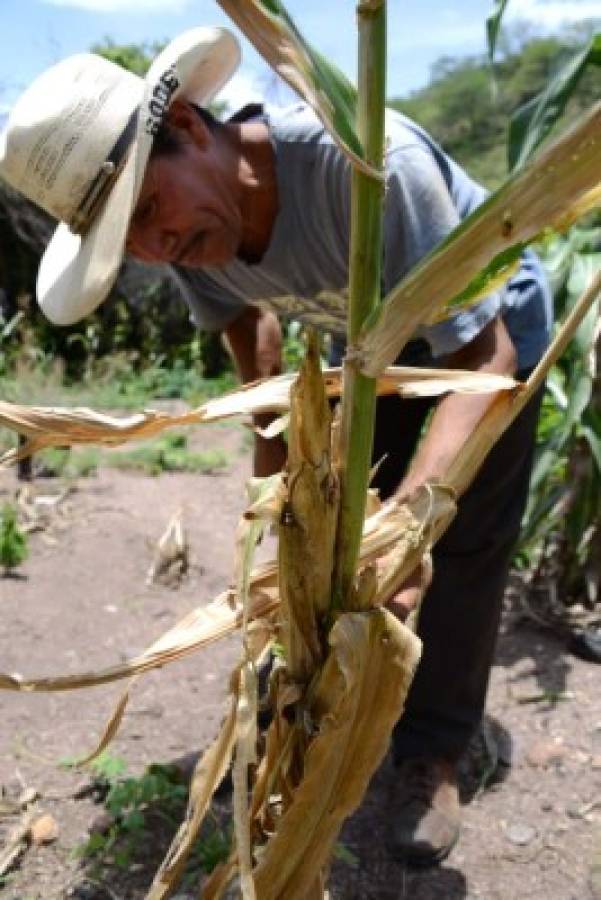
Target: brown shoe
[(425, 815)]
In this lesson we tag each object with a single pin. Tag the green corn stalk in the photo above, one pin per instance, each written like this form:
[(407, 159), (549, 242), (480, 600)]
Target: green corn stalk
[(359, 394)]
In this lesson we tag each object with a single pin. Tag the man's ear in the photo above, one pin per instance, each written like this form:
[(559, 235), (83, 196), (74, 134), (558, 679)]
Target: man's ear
[(183, 117)]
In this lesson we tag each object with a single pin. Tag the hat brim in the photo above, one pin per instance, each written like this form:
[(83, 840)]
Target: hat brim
[(77, 272)]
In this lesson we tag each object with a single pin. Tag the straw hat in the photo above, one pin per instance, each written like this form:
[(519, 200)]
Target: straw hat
[(77, 143)]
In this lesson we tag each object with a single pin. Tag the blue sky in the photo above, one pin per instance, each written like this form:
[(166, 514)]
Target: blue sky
[(37, 33)]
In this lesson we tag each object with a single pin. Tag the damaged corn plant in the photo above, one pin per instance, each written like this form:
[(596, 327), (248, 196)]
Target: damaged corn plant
[(346, 663)]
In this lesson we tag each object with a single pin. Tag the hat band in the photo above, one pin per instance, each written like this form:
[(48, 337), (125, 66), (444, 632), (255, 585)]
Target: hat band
[(110, 168)]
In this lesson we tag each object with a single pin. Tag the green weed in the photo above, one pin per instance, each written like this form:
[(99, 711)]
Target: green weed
[(138, 806), (111, 383), (62, 462), (168, 453), (13, 541)]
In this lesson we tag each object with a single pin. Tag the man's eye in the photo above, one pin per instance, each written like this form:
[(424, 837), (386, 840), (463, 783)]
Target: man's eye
[(145, 211)]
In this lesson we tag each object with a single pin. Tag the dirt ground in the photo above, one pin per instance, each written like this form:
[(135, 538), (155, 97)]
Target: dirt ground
[(82, 602)]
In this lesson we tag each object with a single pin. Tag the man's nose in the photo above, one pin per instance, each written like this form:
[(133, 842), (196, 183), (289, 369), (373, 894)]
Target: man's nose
[(152, 244)]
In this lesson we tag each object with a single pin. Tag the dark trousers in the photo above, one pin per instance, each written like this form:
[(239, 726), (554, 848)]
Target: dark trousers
[(460, 614)]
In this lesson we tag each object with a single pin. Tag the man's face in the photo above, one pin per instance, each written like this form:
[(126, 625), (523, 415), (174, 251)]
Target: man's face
[(188, 210)]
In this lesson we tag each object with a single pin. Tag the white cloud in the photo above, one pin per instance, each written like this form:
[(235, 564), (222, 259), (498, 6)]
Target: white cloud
[(255, 86), (242, 88), (553, 13), (126, 6)]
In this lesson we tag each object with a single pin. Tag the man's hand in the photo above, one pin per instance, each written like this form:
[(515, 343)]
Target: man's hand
[(456, 415), (409, 596), (270, 453), (453, 420)]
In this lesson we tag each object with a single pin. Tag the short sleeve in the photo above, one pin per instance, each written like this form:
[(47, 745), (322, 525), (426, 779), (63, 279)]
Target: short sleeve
[(419, 215), (458, 330), (211, 307)]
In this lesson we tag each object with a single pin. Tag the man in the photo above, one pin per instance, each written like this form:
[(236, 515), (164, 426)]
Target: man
[(257, 210)]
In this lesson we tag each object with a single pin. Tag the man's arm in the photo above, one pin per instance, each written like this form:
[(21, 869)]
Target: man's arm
[(254, 340), (456, 415), (453, 420)]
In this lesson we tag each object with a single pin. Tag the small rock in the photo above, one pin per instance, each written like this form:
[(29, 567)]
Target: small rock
[(44, 830), (520, 834), (596, 762), (573, 811), (83, 892), (84, 788), (545, 753), (546, 806), (102, 824)]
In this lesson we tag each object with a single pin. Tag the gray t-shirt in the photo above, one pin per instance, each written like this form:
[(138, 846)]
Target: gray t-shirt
[(304, 272)]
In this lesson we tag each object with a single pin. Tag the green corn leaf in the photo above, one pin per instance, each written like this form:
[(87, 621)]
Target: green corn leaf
[(270, 28), (490, 279), (584, 268), (593, 439), (533, 121), (493, 25), (579, 398), (556, 388), (551, 192), (581, 512), (546, 461), (542, 512)]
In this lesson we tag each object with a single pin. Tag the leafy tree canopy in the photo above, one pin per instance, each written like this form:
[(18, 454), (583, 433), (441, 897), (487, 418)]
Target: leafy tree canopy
[(134, 57)]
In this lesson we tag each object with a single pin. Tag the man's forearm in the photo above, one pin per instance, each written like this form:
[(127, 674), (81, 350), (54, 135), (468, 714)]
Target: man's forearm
[(453, 420), (456, 415), (255, 343)]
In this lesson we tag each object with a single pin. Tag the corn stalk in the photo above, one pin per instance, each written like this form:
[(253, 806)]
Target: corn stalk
[(359, 393)]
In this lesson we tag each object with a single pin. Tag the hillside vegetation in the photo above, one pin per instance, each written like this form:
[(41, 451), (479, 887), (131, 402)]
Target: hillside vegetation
[(469, 114)]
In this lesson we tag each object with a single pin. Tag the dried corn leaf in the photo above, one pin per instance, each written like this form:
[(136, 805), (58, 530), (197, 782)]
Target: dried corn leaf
[(111, 728), (562, 178), (219, 878), (278, 426), (416, 523), (208, 774), (246, 742), (202, 626), (434, 382), (359, 696), (268, 26), (307, 528), (268, 506), (16, 843), (62, 426), (506, 407), (171, 552), (494, 278), (250, 531)]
